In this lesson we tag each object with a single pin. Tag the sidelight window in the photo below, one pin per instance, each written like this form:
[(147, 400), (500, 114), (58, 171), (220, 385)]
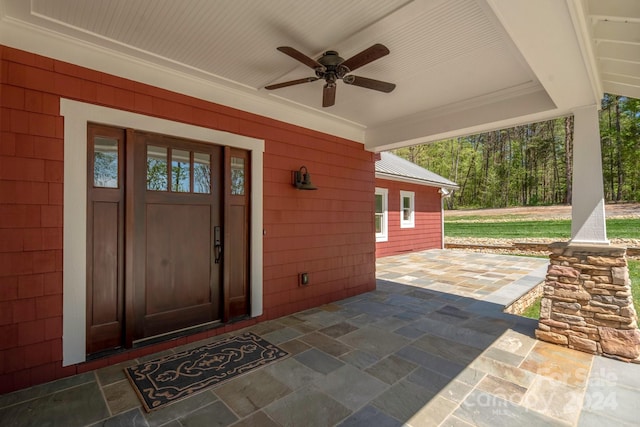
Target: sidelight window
[(201, 173), (237, 176), (105, 162)]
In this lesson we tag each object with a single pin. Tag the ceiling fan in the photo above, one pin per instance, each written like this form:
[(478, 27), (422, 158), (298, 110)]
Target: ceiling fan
[(331, 67)]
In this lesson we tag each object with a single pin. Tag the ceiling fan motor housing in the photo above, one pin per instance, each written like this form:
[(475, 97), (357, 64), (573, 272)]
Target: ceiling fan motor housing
[(331, 69), (330, 58)]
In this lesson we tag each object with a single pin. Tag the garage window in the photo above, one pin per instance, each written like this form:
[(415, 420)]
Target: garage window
[(407, 215), (381, 215)]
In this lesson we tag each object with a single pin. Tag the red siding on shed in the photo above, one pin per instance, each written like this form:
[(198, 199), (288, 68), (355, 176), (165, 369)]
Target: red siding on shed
[(327, 233), (427, 233)]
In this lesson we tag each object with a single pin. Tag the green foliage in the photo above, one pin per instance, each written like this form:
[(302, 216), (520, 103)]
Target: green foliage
[(620, 139), (527, 165), (156, 175), (105, 169)]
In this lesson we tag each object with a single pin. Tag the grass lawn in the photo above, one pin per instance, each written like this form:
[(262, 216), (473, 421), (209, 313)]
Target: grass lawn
[(556, 229), (634, 274), (533, 311)]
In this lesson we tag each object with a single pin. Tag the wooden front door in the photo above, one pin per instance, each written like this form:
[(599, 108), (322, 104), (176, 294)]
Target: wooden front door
[(177, 210), (159, 215)]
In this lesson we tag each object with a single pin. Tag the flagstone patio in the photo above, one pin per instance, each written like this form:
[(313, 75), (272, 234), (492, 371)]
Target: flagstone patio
[(431, 346)]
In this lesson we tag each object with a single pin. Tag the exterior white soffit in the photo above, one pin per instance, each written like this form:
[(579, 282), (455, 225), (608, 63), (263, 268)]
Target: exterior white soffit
[(553, 47), (613, 27), (32, 38), (459, 120), (76, 116), (549, 35)]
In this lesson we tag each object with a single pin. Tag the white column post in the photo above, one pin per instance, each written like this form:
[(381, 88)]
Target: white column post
[(444, 193), (587, 208)]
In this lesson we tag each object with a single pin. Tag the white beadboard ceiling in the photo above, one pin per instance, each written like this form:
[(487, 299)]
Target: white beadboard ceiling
[(459, 65), (614, 26)]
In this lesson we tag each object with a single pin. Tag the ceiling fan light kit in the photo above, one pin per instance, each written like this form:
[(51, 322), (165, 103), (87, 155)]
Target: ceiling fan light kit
[(331, 67)]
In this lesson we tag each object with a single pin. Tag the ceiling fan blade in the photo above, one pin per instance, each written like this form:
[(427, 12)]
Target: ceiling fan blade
[(368, 55), (299, 56), (329, 95), (291, 83), (369, 83)]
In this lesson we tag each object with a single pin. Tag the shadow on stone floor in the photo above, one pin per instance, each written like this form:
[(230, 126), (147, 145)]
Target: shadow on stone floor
[(403, 354)]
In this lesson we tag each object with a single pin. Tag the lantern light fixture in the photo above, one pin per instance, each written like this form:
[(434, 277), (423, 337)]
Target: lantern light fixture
[(302, 179)]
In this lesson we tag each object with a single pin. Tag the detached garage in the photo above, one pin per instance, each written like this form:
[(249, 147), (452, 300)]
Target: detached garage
[(409, 213)]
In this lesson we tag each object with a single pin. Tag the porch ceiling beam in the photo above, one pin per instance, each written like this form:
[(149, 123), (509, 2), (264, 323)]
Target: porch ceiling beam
[(621, 10), (618, 88), (620, 68), (613, 31), (460, 120), (616, 78), (559, 54), (619, 51)]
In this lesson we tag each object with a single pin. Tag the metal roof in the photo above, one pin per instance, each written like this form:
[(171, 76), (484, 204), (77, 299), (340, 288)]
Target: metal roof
[(396, 168)]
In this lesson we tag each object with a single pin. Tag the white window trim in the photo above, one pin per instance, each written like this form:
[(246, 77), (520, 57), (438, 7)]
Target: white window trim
[(383, 236), (76, 116), (411, 222)]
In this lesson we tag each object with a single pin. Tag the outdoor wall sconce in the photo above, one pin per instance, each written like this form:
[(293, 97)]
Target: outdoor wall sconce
[(302, 180)]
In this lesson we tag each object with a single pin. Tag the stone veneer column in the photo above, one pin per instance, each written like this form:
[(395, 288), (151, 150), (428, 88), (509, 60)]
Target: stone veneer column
[(587, 303)]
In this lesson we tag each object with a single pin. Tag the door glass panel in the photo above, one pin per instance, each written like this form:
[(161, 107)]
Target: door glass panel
[(156, 168), (180, 171), (201, 173), (105, 162), (237, 176)]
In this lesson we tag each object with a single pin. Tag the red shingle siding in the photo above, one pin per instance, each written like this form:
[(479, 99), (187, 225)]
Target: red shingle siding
[(326, 233), (427, 233)]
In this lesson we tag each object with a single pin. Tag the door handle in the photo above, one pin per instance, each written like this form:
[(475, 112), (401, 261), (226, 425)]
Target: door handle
[(217, 243)]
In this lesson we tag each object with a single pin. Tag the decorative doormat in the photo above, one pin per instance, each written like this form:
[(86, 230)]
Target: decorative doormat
[(171, 378)]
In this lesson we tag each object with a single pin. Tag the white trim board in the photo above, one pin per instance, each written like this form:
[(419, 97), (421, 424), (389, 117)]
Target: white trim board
[(76, 116)]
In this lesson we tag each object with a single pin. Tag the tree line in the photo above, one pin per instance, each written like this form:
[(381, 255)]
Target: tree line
[(532, 164)]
